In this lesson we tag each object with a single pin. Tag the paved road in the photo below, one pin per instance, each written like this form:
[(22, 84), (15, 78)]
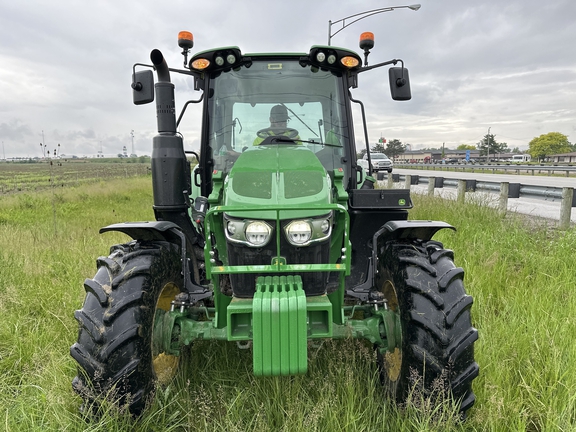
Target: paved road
[(549, 209), (538, 180)]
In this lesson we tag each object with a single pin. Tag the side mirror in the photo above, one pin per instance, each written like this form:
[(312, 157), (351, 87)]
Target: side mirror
[(359, 174), (399, 83), (143, 87)]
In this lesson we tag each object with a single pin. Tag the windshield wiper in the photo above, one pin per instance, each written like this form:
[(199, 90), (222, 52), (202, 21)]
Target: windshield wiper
[(299, 119)]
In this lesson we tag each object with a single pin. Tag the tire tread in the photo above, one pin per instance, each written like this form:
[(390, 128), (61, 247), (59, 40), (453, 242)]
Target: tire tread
[(438, 337)]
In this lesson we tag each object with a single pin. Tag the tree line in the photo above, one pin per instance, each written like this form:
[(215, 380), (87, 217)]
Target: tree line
[(539, 148)]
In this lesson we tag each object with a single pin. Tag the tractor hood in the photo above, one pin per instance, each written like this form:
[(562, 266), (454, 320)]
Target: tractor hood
[(286, 175)]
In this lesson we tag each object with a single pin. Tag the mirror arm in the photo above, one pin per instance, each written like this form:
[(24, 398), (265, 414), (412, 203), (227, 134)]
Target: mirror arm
[(180, 71), (184, 72), (393, 62), (138, 85)]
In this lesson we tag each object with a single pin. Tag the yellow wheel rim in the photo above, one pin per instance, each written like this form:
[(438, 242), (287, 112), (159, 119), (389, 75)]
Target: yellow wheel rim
[(393, 364), (392, 360), (165, 365)]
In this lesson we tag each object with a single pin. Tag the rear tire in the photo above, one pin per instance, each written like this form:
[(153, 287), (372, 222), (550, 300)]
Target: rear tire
[(114, 348), (436, 355)]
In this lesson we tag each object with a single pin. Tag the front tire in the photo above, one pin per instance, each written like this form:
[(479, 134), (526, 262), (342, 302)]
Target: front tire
[(114, 348), (426, 290)]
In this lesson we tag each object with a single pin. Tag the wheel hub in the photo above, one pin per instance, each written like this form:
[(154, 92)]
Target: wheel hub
[(164, 365)]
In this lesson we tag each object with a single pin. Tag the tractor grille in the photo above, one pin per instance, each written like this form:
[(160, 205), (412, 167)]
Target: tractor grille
[(314, 283)]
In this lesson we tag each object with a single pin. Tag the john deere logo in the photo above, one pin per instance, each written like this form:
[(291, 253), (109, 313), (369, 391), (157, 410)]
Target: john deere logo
[(402, 202)]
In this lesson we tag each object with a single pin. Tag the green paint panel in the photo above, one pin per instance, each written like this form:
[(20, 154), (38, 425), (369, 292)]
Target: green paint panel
[(319, 316), (279, 326), (289, 175), (239, 319)]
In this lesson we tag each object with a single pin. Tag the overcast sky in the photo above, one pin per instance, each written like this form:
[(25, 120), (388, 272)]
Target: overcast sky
[(65, 66)]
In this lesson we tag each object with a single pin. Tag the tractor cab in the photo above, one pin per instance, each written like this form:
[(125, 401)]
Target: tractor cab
[(261, 102)]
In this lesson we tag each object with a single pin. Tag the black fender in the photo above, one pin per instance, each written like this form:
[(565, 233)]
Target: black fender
[(394, 231), (154, 230), (409, 229), (169, 232)]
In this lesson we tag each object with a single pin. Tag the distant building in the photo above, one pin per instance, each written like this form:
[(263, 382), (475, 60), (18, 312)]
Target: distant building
[(564, 157), (101, 156), (435, 156)]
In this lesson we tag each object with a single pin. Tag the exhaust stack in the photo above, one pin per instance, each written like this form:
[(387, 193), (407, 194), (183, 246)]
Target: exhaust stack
[(165, 108), (170, 168)]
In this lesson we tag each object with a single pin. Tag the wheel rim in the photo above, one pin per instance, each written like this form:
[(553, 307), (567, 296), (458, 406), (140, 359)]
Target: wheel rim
[(392, 361), (165, 365)]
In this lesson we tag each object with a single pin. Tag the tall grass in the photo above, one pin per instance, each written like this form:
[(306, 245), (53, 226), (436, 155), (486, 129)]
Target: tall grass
[(522, 279), (58, 174)]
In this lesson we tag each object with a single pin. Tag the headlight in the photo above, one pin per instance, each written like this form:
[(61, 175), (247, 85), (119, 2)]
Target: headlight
[(306, 231), (232, 227), (258, 233), (326, 226), (247, 232), (298, 232)]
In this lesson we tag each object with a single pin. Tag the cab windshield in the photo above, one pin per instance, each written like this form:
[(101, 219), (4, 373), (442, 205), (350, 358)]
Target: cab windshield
[(241, 101)]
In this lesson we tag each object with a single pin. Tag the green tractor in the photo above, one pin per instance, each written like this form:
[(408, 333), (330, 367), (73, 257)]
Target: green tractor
[(275, 238)]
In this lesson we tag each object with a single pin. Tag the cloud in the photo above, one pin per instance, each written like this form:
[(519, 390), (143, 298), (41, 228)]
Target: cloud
[(15, 131), (65, 67)]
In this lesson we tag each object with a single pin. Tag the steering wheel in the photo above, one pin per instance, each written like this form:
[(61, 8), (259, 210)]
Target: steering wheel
[(270, 131)]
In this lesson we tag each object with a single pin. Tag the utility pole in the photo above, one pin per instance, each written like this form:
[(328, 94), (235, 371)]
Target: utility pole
[(488, 146), (43, 146), (132, 134)]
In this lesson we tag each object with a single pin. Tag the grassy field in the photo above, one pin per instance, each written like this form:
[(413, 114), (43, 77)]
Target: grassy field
[(60, 173), (522, 279)]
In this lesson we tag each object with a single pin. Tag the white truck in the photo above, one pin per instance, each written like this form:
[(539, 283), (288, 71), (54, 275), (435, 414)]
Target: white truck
[(520, 158), (380, 162)]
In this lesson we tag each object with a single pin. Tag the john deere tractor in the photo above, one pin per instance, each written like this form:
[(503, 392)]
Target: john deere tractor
[(274, 239)]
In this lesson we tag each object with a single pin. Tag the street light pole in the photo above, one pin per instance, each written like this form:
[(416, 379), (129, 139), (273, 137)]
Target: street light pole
[(488, 145), (363, 15)]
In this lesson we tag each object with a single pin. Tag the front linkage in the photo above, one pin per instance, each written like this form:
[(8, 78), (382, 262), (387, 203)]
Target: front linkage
[(279, 319)]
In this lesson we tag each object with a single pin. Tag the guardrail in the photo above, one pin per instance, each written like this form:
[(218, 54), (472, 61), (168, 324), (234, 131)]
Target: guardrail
[(506, 190), (518, 168)]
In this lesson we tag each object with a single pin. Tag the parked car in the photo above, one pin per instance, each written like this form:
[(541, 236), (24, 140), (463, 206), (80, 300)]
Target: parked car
[(380, 162), (449, 161)]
